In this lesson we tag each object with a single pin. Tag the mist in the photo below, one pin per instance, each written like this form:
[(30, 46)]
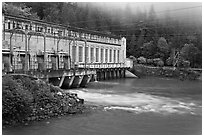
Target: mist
[(180, 11)]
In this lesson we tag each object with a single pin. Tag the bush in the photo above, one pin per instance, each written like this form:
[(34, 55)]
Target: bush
[(26, 99), (160, 63), (190, 52), (16, 101), (141, 60), (169, 61), (133, 58), (183, 63), (150, 62), (186, 64)]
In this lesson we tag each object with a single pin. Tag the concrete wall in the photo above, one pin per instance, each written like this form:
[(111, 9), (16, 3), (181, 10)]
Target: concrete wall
[(37, 45)]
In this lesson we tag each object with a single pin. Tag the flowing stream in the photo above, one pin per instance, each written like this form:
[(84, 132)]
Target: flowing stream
[(149, 106)]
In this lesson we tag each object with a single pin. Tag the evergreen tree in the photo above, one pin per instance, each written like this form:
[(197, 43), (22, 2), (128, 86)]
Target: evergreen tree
[(132, 46), (190, 52)]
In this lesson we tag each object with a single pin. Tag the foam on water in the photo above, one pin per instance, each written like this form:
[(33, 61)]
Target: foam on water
[(136, 102)]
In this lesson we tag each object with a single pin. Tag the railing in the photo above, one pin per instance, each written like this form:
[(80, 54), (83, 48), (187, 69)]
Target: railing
[(36, 63), (101, 65)]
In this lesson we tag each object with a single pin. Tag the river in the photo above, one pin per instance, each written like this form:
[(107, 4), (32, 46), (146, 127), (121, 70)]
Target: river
[(147, 106)]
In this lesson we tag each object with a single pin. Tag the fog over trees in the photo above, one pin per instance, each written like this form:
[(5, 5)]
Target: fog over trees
[(150, 32)]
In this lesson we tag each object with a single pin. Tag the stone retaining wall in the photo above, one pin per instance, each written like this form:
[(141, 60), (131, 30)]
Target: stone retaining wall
[(142, 70)]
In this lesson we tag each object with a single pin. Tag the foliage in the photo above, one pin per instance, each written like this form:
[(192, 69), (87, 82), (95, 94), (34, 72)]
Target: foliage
[(162, 44), (24, 98), (133, 58), (182, 63), (150, 62), (133, 43), (142, 60), (169, 61), (148, 50), (163, 48), (189, 52), (16, 100), (183, 74), (20, 10), (160, 63)]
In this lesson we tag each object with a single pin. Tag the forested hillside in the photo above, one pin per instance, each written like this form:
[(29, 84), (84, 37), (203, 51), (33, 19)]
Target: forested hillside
[(148, 34)]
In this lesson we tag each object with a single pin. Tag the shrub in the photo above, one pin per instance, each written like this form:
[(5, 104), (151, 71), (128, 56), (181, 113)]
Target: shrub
[(186, 64), (133, 58), (190, 52), (24, 98), (156, 60), (160, 63), (183, 63), (150, 62), (169, 61), (142, 60), (16, 100)]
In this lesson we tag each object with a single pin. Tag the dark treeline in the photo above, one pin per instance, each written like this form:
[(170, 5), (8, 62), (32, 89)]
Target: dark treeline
[(148, 34)]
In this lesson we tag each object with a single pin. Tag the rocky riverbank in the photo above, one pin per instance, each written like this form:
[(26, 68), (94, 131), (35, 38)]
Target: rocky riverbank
[(27, 99), (183, 74)]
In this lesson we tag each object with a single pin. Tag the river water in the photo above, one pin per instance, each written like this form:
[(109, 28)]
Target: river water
[(148, 106)]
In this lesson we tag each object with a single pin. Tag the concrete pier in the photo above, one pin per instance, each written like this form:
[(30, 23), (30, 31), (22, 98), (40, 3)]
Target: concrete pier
[(106, 74), (55, 81), (68, 80), (86, 79), (77, 81)]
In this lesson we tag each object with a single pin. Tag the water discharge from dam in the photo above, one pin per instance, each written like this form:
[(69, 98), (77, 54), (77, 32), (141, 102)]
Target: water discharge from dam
[(139, 103), (130, 106)]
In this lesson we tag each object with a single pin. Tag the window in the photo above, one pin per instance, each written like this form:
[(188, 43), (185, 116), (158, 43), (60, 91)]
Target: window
[(38, 29), (92, 54), (30, 27), (114, 55), (87, 54), (18, 25), (97, 55), (118, 56), (48, 30), (74, 53), (14, 24), (26, 27), (9, 25), (77, 34), (80, 54), (52, 30), (110, 58), (59, 33), (102, 51), (106, 55)]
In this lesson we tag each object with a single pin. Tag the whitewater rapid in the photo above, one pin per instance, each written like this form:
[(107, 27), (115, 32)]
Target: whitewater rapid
[(136, 102)]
